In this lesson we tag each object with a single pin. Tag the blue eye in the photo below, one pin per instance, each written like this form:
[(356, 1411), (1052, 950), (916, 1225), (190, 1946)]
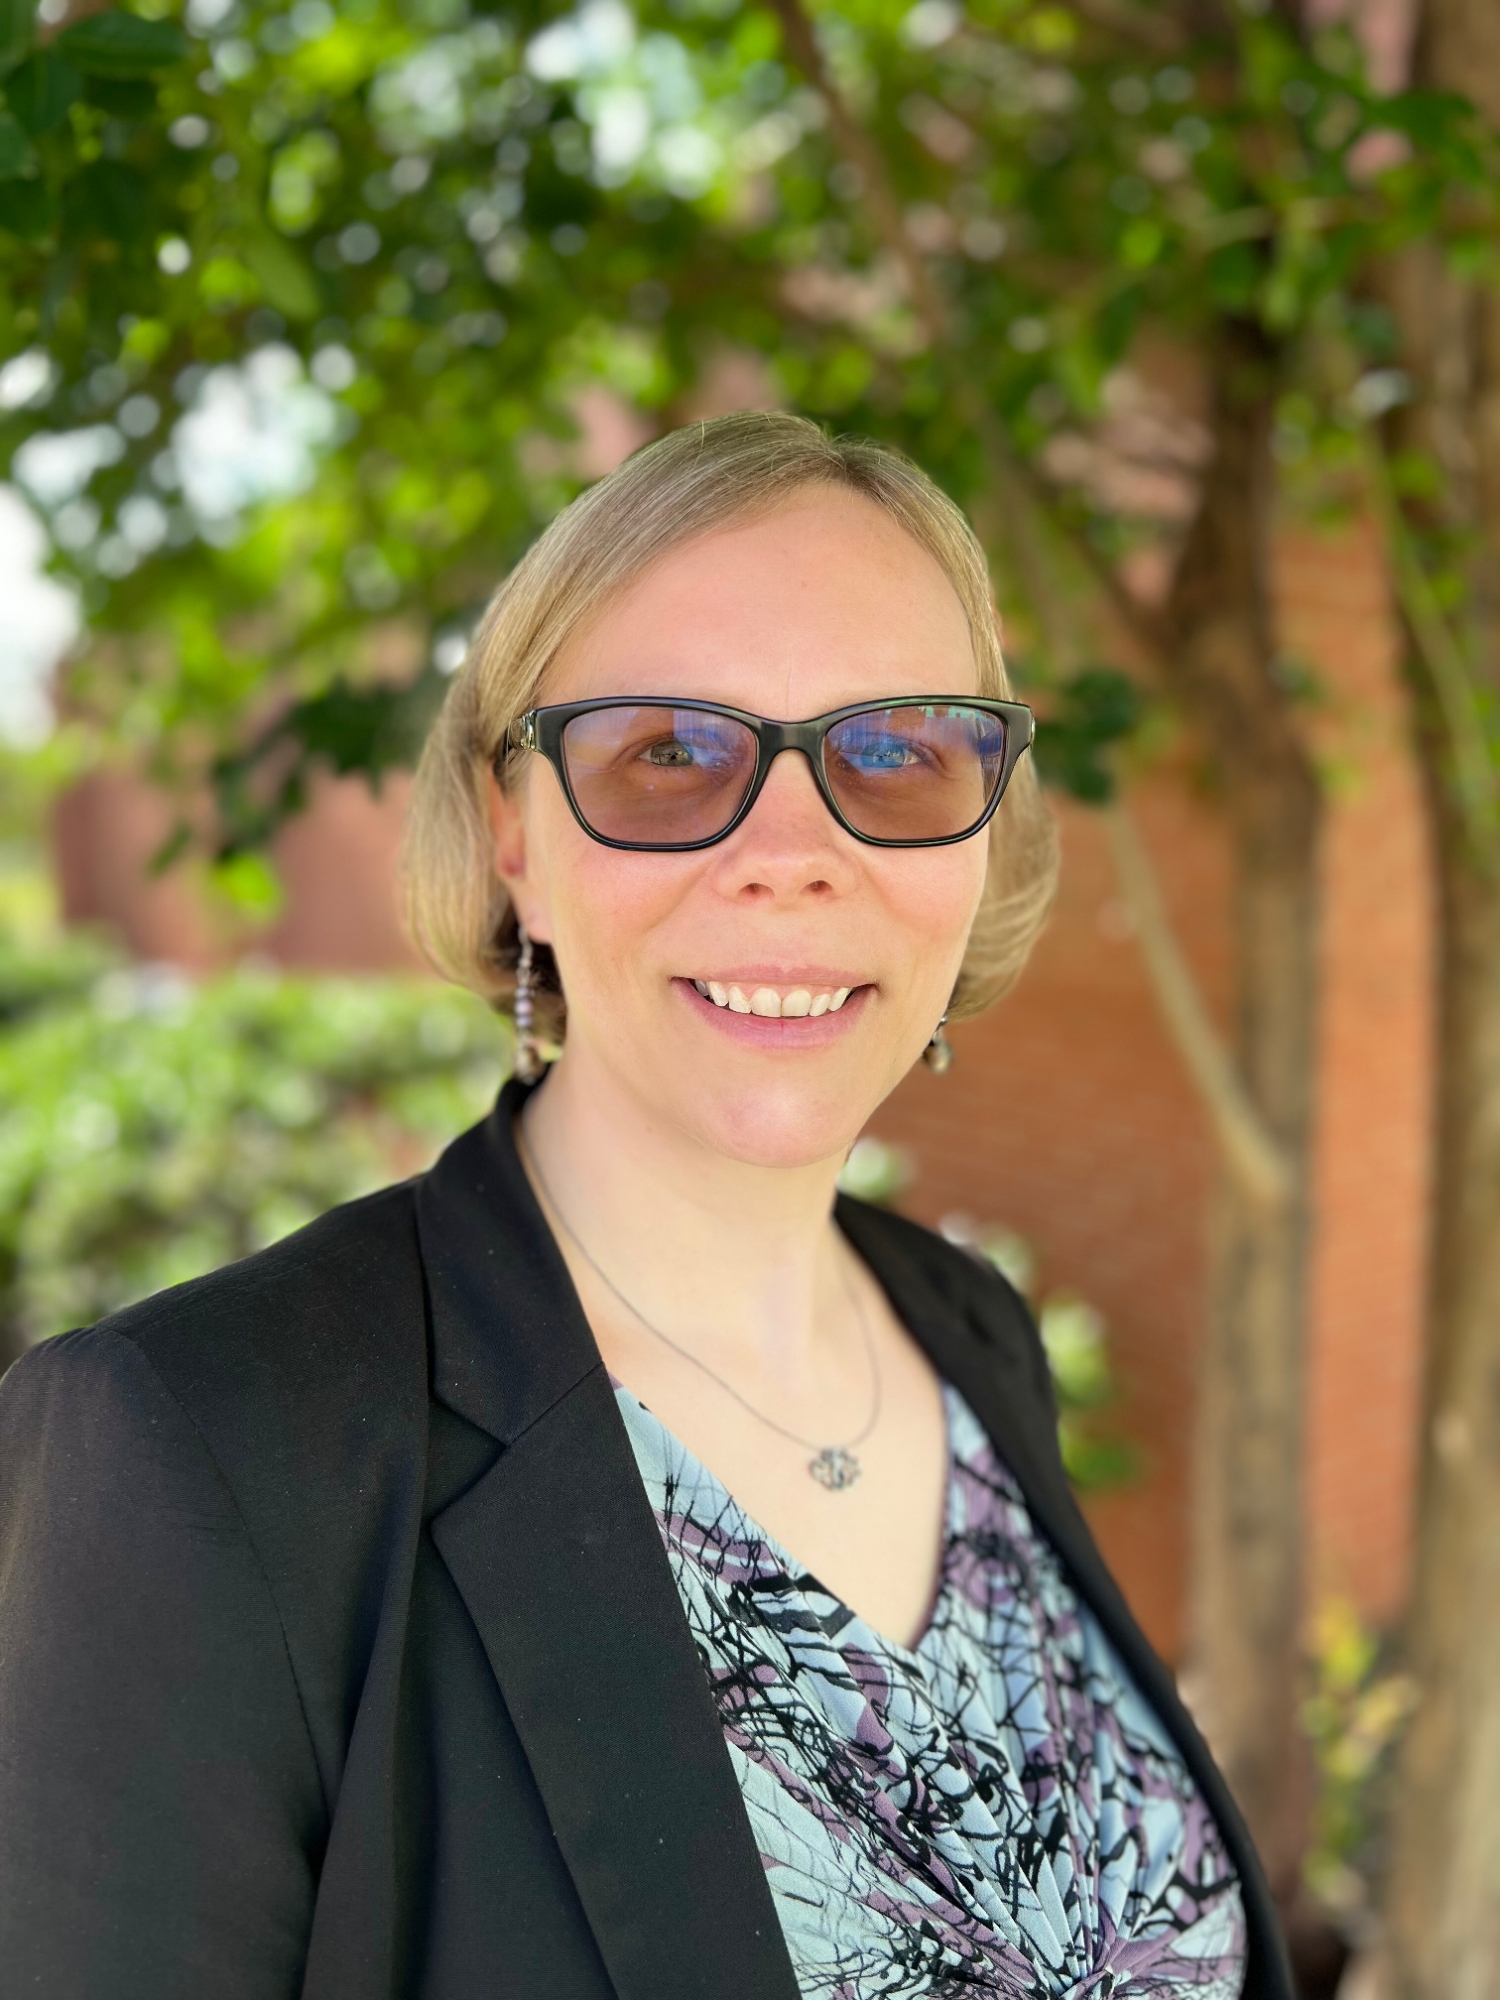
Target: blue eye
[(880, 753)]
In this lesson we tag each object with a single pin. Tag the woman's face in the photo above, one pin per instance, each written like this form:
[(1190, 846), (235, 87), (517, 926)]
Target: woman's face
[(823, 603)]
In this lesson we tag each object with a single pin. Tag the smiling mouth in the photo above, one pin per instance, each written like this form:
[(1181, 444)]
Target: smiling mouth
[(773, 1003)]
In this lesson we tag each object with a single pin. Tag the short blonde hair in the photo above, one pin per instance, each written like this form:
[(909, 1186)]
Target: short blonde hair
[(706, 476)]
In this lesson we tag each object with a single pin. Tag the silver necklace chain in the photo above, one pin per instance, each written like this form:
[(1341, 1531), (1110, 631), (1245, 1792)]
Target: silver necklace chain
[(832, 1465)]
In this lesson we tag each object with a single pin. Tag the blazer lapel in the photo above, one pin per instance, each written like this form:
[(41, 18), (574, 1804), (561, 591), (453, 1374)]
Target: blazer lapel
[(560, 1563)]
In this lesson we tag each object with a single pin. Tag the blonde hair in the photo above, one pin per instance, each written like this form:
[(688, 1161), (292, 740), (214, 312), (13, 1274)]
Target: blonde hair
[(706, 476)]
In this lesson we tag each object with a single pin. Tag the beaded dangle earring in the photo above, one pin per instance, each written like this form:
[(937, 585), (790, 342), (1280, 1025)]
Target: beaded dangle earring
[(530, 1061), (938, 1054)]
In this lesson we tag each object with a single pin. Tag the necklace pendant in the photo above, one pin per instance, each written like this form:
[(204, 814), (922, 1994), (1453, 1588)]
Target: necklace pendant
[(835, 1467)]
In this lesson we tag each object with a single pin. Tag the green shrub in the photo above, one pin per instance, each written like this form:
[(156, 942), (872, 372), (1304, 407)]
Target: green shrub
[(156, 1128)]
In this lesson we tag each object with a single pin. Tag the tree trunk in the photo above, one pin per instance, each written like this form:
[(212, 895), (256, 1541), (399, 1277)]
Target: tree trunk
[(1442, 1905), (1442, 1896), (1248, 1495)]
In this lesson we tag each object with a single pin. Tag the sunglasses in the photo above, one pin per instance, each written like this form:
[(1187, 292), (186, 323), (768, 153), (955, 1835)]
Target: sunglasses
[(666, 776)]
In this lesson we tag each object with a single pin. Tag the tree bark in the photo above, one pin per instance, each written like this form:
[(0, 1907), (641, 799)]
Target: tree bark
[(1247, 1517), (1442, 1893), (1442, 1902)]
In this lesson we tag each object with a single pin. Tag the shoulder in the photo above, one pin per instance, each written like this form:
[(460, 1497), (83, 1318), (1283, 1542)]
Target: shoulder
[(305, 1299), (72, 1405), (298, 1371), (103, 1476), (320, 1313), (266, 1422)]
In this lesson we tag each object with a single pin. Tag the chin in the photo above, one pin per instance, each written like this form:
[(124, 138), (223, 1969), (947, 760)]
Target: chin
[(780, 1124)]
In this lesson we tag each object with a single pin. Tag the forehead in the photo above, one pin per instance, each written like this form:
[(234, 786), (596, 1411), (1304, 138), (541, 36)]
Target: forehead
[(823, 601)]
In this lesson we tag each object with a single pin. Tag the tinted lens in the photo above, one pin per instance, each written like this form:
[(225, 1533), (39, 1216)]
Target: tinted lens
[(658, 777), (928, 772)]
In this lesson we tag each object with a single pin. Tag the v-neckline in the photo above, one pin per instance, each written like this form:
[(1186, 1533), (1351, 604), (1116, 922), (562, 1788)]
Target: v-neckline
[(797, 1571)]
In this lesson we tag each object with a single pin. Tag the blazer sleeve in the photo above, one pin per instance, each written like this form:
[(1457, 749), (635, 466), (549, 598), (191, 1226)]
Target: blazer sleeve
[(161, 1813)]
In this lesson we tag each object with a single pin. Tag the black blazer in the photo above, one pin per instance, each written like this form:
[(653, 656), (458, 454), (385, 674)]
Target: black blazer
[(339, 1654)]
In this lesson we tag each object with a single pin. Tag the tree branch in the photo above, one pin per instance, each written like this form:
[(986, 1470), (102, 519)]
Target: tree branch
[(1477, 781), (1252, 1155), (1017, 492), (1133, 24), (857, 147), (1013, 494), (1145, 626)]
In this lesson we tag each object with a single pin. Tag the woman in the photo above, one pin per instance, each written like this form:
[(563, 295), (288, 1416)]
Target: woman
[(610, 1564)]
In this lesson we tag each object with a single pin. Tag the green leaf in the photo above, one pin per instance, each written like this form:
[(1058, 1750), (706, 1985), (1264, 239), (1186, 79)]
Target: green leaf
[(284, 278), (41, 90), (1429, 118), (1142, 242), (116, 44), (1117, 322), (109, 200), (14, 154), (373, 729), (122, 97), (1234, 272), (15, 31), (1270, 57), (1097, 708), (367, 729), (251, 884), (26, 207)]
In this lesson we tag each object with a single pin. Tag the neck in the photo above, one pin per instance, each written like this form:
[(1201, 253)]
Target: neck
[(673, 1223)]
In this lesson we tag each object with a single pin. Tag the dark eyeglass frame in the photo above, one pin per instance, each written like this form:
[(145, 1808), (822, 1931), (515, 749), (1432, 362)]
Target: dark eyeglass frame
[(541, 729)]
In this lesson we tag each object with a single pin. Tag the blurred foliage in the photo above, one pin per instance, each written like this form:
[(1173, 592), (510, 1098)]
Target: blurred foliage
[(40, 963), (1095, 1452), (877, 1171), (155, 1128), (1090, 714), (394, 241), (1074, 1335), (1353, 1717)]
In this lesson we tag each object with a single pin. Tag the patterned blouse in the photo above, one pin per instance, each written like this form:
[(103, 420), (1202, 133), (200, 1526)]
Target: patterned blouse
[(995, 1811)]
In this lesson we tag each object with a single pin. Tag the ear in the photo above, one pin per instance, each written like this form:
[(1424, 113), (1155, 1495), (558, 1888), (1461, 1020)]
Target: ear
[(511, 853)]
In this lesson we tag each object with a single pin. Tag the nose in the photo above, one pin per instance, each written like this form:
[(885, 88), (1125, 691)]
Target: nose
[(789, 845)]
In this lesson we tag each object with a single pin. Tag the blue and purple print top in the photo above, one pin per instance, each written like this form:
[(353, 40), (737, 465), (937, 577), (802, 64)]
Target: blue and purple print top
[(995, 1811)]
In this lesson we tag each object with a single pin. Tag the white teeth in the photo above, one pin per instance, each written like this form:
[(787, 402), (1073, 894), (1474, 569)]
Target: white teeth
[(771, 1005)]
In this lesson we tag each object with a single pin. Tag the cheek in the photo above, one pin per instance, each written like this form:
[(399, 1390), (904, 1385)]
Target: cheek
[(932, 894), (605, 907)]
